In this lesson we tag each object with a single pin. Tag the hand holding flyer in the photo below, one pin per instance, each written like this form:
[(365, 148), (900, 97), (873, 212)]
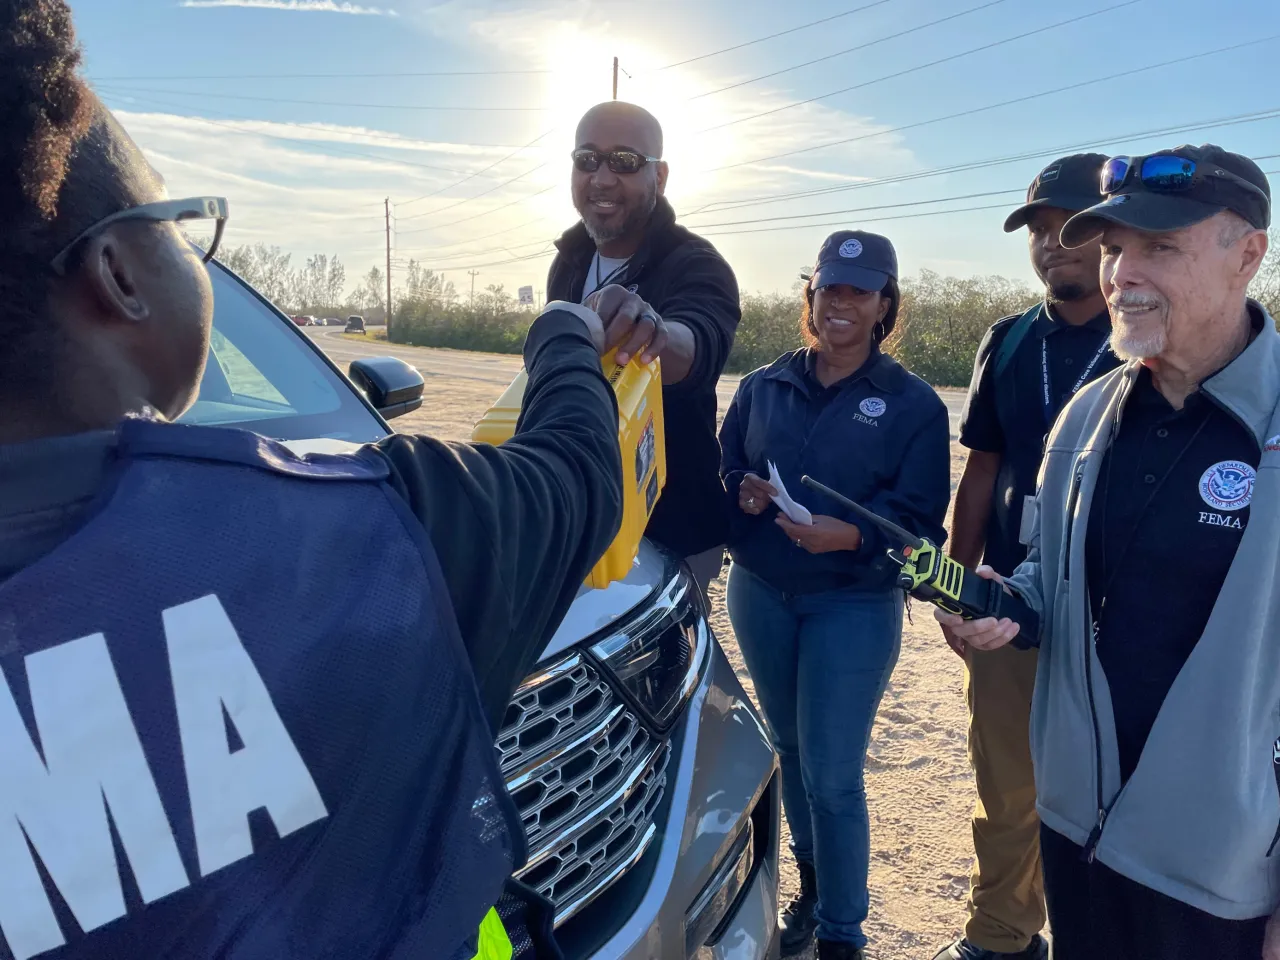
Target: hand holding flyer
[(795, 512)]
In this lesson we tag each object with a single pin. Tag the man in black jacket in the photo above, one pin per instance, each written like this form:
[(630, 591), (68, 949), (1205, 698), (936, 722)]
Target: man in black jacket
[(682, 307)]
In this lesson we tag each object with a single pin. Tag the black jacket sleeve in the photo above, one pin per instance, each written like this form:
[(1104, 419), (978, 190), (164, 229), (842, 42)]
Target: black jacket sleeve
[(518, 527), (703, 295)]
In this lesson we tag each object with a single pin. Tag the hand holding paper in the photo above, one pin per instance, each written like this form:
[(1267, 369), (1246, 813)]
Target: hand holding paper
[(795, 512)]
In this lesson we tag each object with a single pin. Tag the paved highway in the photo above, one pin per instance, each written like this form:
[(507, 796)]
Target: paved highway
[(495, 368)]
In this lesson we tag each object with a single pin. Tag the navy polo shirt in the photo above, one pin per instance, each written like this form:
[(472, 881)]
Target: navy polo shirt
[(1171, 505), (1007, 414), (880, 436)]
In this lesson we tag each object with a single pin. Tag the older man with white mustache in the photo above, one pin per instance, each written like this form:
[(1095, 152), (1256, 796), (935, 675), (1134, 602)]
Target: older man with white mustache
[(1155, 567)]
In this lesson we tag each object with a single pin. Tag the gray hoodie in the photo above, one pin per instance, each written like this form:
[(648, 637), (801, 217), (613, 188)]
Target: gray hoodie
[(1198, 819)]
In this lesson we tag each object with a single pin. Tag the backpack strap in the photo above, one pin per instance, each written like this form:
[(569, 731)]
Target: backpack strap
[(1017, 333)]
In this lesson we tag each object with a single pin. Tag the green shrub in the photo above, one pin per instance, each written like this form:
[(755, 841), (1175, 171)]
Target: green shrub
[(491, 323)]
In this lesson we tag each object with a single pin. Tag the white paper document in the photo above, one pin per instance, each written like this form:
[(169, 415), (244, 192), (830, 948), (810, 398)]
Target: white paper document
[(796, 512)]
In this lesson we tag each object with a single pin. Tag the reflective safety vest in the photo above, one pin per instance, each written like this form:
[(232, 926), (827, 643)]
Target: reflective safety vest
[(237, 721), (494, 942)]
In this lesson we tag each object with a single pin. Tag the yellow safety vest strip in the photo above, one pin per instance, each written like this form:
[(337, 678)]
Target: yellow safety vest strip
[(494, 943)]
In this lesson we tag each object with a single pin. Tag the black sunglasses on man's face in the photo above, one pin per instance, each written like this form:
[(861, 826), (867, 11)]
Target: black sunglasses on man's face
[(618, 161)]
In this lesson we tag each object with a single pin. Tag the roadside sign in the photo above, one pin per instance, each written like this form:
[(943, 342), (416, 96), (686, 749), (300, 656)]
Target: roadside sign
[(526, 296)]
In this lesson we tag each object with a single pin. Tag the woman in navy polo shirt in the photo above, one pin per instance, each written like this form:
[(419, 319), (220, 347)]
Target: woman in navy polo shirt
[(814, 607)]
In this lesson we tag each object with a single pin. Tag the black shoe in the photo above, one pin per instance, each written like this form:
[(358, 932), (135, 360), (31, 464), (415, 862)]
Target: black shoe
[(831, 950), (962, 949), (797, 922)]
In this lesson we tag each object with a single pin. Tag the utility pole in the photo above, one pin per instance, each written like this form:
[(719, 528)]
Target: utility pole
[(474, 274), (615, 78), (388, 207)]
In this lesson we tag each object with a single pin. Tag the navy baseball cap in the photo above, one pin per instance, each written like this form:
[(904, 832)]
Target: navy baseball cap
[(1172, 189), (856, 258), (1069, 183)]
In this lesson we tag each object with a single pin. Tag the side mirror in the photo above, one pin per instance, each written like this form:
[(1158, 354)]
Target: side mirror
[(392, 386)]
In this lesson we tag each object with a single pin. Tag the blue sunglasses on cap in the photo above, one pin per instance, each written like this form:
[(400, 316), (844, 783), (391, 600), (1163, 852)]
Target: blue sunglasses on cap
[(1165, 173)]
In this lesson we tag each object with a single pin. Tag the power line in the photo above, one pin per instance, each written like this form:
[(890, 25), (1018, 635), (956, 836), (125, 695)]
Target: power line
[(861, 46), (271, 136), (884, 206), (320, 127), (994, 106), (340, 103), (837, 223), (452, 223), (1060, 150), (825, 213), (905, 216), (772, 36), (465, 200), (329, 76), (923, 66), (478, 173)]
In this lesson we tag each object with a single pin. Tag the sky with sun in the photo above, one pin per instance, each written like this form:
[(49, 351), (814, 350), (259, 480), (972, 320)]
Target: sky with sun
[(923, 120)]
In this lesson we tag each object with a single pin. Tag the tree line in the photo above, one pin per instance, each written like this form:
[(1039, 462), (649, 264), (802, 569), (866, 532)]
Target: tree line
[(940, 323)]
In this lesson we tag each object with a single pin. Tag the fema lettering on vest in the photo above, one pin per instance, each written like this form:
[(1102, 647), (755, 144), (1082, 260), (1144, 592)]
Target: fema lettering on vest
[(90, 752)]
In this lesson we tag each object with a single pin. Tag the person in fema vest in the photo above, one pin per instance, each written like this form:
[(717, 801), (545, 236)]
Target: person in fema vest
[(205, 752), (1153, 566), (814, 604)]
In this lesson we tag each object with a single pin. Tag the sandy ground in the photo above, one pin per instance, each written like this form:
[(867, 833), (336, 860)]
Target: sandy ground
[(919, 786)]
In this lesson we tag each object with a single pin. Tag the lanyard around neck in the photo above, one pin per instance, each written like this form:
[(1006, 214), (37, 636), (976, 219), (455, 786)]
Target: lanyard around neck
[(595, 266), (1047, 391)]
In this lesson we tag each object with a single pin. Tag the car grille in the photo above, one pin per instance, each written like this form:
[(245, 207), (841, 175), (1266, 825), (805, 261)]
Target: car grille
[(587, 778)]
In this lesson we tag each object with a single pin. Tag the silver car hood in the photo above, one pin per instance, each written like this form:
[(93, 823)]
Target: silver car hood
[(592, 610)]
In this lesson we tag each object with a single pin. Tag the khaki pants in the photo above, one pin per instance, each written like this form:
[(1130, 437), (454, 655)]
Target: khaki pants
[(1006, 897)]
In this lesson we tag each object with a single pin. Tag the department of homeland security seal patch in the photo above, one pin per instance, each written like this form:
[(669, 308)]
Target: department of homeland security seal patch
[(1228, 485), (851, 248), (872, 406)]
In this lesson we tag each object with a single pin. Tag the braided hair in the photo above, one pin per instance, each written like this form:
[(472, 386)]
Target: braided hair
[(45, 110)]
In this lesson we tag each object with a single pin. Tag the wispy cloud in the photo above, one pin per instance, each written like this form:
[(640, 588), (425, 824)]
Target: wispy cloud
[(306, 6)]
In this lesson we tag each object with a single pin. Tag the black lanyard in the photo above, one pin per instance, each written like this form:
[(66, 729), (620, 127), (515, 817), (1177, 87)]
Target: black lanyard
[(1047, 395), (595, 265)]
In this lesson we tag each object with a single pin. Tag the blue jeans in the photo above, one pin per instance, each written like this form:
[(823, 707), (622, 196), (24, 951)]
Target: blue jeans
[(820, 664)]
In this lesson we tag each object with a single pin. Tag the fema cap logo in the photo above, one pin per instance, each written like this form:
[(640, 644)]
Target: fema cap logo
[(1228, 485), (851, 248), (1273, 445), (872, 406)]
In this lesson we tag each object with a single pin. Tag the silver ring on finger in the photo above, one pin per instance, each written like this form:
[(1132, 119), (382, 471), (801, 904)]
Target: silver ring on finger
[(751, 501), (799, 543)]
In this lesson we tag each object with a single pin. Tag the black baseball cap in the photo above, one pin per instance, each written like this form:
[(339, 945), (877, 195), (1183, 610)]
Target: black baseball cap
[(857, 258), (1172, 189), (1069, 183)]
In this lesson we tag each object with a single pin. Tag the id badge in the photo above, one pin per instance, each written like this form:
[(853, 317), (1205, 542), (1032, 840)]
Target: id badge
[(1027, 528)]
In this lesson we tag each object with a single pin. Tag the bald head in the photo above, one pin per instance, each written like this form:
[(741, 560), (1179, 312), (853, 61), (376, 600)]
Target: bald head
[(615, 124)]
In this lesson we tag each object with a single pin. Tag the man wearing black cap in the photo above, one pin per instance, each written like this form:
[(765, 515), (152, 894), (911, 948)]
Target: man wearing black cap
[(1155, 568), (1027, 368), (682, 307)]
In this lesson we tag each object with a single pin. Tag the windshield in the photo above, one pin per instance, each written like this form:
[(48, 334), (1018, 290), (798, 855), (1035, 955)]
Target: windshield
[(265, 376)]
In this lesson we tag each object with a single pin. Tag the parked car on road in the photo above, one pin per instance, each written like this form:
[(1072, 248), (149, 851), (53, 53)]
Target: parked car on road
[(646, 784), (304, 321), (332, 322), (355, 324)]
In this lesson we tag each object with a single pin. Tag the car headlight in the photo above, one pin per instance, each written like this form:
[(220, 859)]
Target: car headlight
[(658, 657)]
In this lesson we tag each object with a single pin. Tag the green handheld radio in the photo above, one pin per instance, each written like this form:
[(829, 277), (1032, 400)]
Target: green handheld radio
[(929, 574)]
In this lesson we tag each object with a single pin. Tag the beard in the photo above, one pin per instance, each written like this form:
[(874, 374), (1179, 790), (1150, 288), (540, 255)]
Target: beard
[(1067, 292), (608, 231), (1139, 339)]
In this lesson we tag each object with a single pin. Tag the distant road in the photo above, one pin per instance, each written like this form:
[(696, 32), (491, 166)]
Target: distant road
[(498, 369)]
